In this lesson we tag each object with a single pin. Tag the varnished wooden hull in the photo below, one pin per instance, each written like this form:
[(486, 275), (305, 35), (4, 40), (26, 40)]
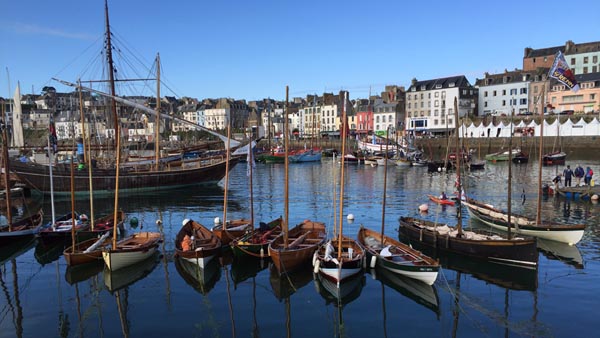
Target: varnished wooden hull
[(291, 257), (234, 229), (37, 176), (256, 243), (205, 247)]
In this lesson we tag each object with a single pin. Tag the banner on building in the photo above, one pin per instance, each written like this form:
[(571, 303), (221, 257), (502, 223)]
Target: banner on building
[(560, 70)]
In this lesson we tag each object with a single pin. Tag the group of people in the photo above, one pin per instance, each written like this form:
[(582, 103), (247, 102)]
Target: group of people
[(579, 173)]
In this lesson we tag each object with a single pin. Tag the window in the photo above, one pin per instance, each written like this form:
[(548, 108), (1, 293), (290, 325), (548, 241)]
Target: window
[(377, 119), (450, 112), (429, 113), (572, 61), (585, 59), (594, 69), (435, 112), (594, 58), (421, 96), (494, 93), (438, 86), (409, 105), (485, 94), (383, 119), (523, 90), (422, 104), (428, 95), (592, 96), (449, 121), (523, 101), (585, 70), (485, 104), (503, 102), (451, 84), (435, 122), (437, 94), (436, 103), (504, 92), (545, 59)]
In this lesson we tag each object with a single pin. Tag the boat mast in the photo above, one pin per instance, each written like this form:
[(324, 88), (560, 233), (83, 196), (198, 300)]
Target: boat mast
[(458, 182), (6, 168), (286, 199), (157, 119), (87, 154), (384, 189), (228, 120), (73, 218), (509, 209), (111, 79), (538, 219), (342, 180)]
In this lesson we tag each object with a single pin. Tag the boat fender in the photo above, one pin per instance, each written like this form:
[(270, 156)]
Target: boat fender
[(185, 221), (373, 261), (314, 259), (594, 197), (262, 252), (217, 220), (317, 266)]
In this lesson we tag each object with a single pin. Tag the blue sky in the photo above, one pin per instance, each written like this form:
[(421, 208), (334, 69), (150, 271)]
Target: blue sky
[(253, 49)]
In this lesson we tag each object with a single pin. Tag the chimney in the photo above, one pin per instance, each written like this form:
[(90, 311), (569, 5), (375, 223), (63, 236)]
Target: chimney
[(413, 82), (568, 46)]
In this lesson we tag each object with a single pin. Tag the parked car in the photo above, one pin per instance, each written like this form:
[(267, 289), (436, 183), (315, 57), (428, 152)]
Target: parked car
[(566, 112)]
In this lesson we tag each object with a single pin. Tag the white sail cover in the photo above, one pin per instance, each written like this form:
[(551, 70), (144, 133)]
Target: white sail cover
[(17, 127)]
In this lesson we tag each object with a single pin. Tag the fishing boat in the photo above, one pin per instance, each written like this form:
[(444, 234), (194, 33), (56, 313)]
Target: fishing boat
[(554, 158), (132, 177), (397, 257), (479, 244), (342, 257), (61, 228), (131, 250), (295, 246), (196, 243), (256, 243), (498, 219), (502, 155), (307, 155), (438, 200)]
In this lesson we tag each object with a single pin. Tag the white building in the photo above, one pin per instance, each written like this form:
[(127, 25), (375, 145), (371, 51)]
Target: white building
[(499, 94), (430, 104)]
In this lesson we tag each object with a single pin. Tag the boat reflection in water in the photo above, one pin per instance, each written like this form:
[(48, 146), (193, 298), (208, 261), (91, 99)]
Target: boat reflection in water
[(568, 254), (15, 248), (244, 269), (506, 276), (201, 279), (80, 273), (420, 292), (118, 279)]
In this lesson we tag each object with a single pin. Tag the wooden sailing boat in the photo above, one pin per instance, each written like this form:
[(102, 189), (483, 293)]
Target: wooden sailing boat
[(89, 251), (506, 221), (476, 243), (340, 258), (28, 226), (393, 255), (229, 230), (195, 243), (135, 178), (295, 246), (556, 156), (139, 246)]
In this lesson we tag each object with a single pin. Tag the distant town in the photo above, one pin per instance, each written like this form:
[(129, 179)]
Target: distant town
[(426, 107)]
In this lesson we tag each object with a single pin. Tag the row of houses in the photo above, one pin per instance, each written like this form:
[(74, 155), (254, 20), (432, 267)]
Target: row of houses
[(426, 107)]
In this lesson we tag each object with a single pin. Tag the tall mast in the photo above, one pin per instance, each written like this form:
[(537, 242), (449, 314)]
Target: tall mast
[(458, 160), (228, 120), (87, 155), (538, 218), (341, 214), (157, 119), (111, 79), (286, 199), (512, 113)]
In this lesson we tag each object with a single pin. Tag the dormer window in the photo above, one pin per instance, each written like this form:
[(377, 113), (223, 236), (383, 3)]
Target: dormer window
[(438, 86), (422, 87), (451, 84)]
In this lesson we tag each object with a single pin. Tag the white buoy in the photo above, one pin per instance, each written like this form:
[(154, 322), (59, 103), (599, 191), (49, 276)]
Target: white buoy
[(317, 265), (217, 220), (595, 197), (185, 221), (373, 261), (350, 217), (423, 208), (158, 221)]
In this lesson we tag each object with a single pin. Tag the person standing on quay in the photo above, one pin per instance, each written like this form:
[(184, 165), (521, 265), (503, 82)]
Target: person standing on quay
[(579, 173), (568, 174), (588, 175)]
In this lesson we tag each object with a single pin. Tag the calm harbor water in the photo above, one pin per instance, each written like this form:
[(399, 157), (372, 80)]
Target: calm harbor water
[(41, 297)]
